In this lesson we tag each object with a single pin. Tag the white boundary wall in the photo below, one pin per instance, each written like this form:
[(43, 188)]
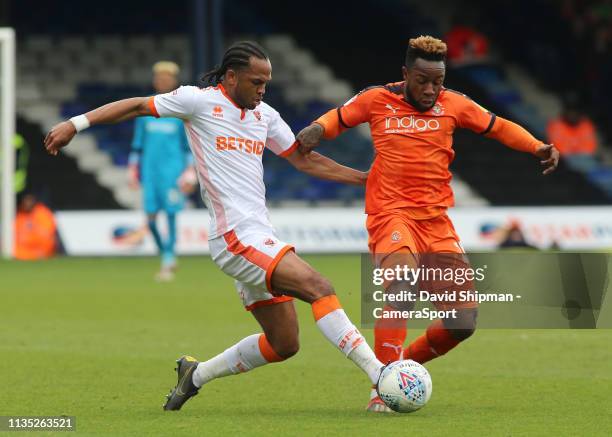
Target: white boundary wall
[(337, 230)]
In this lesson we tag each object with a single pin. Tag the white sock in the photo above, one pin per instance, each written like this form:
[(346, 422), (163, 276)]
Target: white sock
[(239, 358), (366, 360), (338, 329), (206, 371)]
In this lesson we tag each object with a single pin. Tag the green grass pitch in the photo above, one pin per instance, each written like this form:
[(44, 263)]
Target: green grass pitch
[(97, 339)]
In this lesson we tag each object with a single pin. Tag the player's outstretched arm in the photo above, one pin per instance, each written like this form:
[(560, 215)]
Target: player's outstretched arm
[(317, 165), (327, 127), (516, 137), (335, 121), (61, 134)]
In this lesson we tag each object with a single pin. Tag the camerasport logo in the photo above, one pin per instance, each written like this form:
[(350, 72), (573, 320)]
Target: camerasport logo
[(410, 124)]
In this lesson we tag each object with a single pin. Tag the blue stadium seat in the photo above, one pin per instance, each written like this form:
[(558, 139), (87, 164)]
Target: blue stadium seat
[(603, 178)]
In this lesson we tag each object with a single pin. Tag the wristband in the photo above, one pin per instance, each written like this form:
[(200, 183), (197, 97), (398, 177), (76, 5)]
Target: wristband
[(80, 122)]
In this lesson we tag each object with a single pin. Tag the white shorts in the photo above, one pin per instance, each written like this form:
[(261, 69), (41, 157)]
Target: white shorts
[(250, 256)]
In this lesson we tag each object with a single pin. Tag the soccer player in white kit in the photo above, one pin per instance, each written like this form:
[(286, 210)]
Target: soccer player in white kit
[(228, 127)]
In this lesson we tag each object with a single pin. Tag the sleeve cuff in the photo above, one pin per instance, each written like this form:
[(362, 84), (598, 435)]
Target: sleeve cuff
[(152, 107), (290, 150)]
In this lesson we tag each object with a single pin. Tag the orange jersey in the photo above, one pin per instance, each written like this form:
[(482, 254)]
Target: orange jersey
[(35, 233), (413, 149), (568, 139)]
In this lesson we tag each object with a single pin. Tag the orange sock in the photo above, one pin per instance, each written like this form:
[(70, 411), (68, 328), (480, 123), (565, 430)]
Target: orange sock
[(436, 341), (267, 351), (389, 337)]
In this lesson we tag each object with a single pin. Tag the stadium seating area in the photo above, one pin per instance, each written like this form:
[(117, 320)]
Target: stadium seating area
[(83, 71), (563, 49), (282, 181), (58, 181), (504, 86), (301, 91)]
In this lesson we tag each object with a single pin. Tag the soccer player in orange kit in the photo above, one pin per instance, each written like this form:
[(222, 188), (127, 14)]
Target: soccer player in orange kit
[(408, 189)]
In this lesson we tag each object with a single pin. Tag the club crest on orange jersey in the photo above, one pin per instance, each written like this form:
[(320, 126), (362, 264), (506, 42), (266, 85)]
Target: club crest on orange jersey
[(437, 109), (396, 236), (217, 112)]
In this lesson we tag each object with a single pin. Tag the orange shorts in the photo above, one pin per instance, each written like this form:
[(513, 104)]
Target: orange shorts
[(433, 242), (397, 230)]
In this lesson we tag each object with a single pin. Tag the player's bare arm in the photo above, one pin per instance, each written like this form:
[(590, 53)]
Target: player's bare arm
[(61, 134), (317, 165), (329, 125), (309, 137)]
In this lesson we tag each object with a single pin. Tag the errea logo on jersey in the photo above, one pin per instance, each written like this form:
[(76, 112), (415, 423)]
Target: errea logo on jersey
[(217, 112), (240, 144), (410, 123)]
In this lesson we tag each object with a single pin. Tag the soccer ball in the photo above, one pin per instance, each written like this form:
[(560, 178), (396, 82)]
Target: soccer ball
[(404, 386)]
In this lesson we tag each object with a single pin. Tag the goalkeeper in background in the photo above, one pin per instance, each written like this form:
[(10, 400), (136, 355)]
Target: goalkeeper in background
[(161, 162)]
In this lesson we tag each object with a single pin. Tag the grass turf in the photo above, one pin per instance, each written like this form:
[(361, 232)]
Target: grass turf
[(96, 339)]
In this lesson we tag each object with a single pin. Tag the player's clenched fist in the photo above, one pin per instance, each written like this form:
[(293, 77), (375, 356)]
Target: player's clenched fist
[(59, 136)]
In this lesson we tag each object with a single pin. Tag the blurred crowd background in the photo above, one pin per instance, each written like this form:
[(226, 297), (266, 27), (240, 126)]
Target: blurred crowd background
[(541, 63)]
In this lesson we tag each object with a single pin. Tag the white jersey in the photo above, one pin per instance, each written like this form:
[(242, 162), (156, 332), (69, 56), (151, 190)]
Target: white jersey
[(227, 143)]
